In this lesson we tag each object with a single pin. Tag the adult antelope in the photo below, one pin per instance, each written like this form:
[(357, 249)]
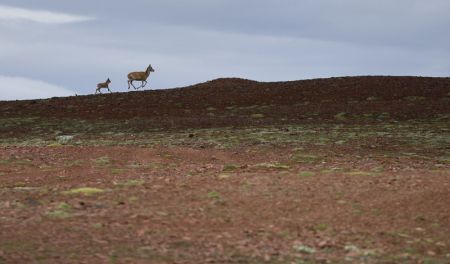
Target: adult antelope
[(139, 76), (103, 85)]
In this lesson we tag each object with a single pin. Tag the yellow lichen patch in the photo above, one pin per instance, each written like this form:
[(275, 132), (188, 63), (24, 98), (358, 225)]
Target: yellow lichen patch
[(129, 183), (84, 191)]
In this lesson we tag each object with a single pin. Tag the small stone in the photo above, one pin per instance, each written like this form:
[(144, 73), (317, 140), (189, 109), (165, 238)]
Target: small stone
[(304, 249), (31, 201), (420, 229), (440, 244), (224, 176), (64, 139), (323, 244)]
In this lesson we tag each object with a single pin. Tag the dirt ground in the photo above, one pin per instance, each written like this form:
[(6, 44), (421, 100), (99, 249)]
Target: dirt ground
[(340, 170)]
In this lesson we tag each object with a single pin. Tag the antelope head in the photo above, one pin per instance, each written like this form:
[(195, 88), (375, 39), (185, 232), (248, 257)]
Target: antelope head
[(149, 69)]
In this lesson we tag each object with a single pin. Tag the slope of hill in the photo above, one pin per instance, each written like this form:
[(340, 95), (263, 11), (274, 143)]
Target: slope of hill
[(234, 101)]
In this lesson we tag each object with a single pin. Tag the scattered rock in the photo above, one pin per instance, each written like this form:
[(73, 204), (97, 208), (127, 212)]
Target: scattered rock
[(31, 201), (64, 139), (304, 248)]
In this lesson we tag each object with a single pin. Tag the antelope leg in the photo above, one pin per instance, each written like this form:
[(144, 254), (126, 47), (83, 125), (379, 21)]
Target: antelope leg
[(133, 85)]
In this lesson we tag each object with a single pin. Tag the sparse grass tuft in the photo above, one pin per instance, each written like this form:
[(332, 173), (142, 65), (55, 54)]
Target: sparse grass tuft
[(54, 145), (306, 174), (361, 173), (63, 210), (256, 115), (102, 161), (213, 195), (117, 171), (341, 116), (230, 167), (59, 214), (414, 98), (321, 227), (277, 166), (130, 183), (304, 158)]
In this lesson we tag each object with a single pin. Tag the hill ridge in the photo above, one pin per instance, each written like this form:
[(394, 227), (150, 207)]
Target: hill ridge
[(401, 96)]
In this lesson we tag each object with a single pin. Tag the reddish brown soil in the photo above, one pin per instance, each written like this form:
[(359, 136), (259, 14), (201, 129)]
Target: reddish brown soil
[(377, 199)]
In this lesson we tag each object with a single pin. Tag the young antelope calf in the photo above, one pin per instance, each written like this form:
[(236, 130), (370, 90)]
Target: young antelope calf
[(139, 76), (103, 85)]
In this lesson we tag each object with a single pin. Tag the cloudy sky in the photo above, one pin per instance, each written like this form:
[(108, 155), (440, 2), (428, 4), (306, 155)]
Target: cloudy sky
[(56, 48)]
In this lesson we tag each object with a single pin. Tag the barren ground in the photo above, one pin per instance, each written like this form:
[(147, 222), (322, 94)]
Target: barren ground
[(340, 170)]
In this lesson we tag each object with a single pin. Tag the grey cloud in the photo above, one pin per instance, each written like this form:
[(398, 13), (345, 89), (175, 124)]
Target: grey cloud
[(412, 23), (14, 14), (383, 22)]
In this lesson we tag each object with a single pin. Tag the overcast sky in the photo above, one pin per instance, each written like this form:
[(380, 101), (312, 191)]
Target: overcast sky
[(56, 48)]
